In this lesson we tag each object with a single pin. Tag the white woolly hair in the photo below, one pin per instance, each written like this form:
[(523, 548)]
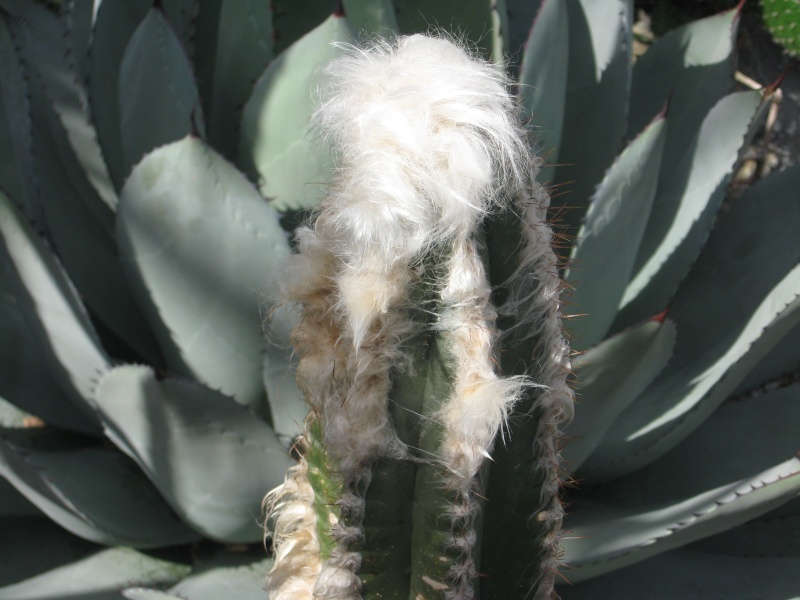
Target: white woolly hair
[(297, 559), (426, 142)]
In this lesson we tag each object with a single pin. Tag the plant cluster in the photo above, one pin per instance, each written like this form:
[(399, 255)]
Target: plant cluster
[(154, 157)]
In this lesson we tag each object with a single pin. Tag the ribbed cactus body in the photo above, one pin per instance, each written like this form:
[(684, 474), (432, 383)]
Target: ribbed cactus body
[(398, 340)]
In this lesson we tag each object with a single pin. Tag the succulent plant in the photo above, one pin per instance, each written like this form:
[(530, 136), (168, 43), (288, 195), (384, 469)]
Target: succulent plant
[(138, 261), (782, 18)]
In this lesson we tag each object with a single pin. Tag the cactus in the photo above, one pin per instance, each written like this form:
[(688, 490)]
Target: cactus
[(149, 152), (782, 18), (393, 286)]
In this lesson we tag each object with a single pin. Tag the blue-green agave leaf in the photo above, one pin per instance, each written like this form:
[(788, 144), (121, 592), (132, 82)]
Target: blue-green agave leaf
[(693, 575), (742, 463), (687, 201), (26, 379), (100, 576), (14, 505), (371, 18), (78, 17), (83, 237), (774, 534), (16, 132), (501, 35), (602, 259), (212, 459), (53, 547), (782, 359), (691, 65), (51, 307), (470, 20), (275, 147), (235, 576), (182, 17), (96, 493), (295, 18), (740, 299), (543, 81), (234, 47), (609, 377), (114, 25), (158, 98), (10, 415), (286, 404), (599, 74), (521, 13), (41, 38), (202, 248)]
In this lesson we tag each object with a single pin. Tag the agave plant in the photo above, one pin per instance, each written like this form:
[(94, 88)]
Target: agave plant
[(137, 263)]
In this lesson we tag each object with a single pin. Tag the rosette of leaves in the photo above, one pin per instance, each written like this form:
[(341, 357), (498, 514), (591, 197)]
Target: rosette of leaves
[(685, 308), (136, 259), (142, 405)]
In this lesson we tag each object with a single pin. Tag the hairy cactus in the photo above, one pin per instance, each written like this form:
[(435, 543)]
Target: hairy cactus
[(395, 292), (154, 158)]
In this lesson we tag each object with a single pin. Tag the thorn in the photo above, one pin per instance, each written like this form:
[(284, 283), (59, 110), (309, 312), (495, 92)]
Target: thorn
[(662, 316), (772, 87)]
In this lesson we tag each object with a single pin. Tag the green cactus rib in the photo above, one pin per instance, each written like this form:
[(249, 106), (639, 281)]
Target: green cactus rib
[(327, 487), (782, 18)]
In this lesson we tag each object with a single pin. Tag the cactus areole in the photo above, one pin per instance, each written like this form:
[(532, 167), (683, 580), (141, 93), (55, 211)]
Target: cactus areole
[(430, 343)]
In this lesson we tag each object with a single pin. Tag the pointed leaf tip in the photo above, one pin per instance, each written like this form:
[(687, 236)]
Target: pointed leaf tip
[(662, 316)]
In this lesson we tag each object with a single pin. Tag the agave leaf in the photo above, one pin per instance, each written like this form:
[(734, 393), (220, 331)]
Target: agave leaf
[(521, 13), (237, 576), (610, 376), (749, 266), (286, 404), (97, 577), (84, 239), (749, 469), (687, 201), (234, 47), (774, 534), (470, 20), (155, 72), (603, 256), (47, 299), (782, 359), (96, 493), (371, 18), (41, 38), (77, 16), (22, 559), (599, 74), (201, 246), (25, 378), (500, 35), (543, 81), (693, 66), (295, 18), (140, 593), (16, 136), (114, 25), (274, 146), (182, 16), (694, 576), (10, 416), (194, 444)]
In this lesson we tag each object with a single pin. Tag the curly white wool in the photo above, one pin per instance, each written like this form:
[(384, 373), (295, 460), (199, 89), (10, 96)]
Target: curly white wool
[(426, 142)]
